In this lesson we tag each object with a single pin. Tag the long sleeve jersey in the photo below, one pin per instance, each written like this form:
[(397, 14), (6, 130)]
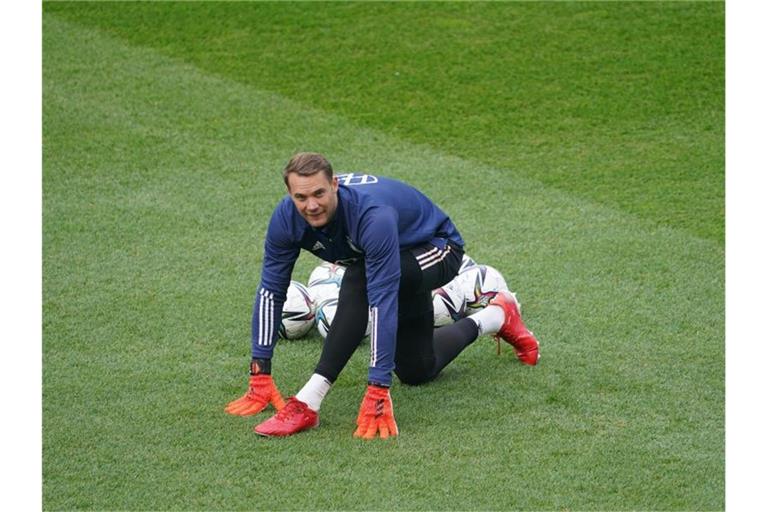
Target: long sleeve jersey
[(375, 219)]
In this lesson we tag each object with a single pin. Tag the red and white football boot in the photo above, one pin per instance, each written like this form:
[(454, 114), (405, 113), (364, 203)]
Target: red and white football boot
[(295, 417), (514, 330)]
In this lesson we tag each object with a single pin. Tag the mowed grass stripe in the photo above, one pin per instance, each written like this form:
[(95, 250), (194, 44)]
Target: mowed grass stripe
[(620, 102), (158, 182)]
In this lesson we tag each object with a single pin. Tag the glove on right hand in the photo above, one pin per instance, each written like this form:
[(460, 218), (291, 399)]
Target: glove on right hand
[(261, 392)]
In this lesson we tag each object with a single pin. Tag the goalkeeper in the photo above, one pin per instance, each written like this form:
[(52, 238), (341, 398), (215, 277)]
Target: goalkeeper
[(398, 246)]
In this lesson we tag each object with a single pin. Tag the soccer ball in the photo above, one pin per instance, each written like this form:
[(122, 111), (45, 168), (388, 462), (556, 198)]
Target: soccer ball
[(448, 304), (298, 312), (466, 262), (325, 281), (479, 284), (326, 311)]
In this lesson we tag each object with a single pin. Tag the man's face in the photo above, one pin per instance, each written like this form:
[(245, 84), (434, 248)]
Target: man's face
[(315, 197)]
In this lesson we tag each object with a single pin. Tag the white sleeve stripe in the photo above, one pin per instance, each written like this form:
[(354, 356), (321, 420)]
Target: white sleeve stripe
[(271, 322), (266, 317), (265, 321), (271, 318), (262, 314), (374, 335)]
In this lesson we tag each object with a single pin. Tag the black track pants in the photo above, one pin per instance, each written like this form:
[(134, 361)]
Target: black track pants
[(422, 351)]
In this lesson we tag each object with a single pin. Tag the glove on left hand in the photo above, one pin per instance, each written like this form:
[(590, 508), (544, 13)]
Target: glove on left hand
[(376, 415)]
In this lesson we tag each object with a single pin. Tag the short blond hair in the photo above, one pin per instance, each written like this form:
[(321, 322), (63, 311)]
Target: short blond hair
[(307, 164)]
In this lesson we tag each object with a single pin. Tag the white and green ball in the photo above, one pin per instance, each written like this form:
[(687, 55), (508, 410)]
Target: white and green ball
[(325, 281), (448, 304), (326, 312), (298, 312), (479, 284)]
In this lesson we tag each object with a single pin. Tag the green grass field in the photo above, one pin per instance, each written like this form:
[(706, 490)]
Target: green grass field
[(580, 149)]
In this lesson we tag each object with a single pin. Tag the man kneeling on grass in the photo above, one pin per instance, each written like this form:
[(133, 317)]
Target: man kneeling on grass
[(398, 246)]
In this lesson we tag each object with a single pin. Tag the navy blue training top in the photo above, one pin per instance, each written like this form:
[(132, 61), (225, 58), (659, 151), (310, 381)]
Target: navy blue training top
[(375, 218)]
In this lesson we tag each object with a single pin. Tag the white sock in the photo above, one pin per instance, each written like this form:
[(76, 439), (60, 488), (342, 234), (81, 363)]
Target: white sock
[(489, 320), (314, 391)]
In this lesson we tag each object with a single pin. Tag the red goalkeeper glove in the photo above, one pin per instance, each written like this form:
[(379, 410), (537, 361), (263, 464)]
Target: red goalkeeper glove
[(261, 392), (376, 415)]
